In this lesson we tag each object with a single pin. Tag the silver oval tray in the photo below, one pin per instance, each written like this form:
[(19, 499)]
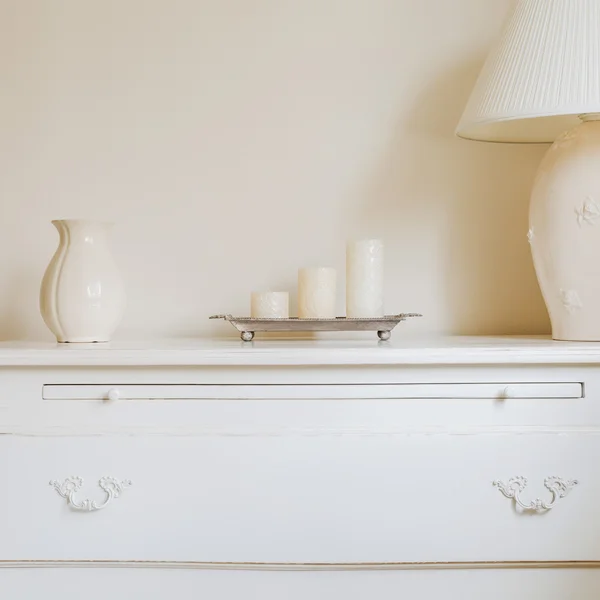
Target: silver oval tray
[(247, 326)]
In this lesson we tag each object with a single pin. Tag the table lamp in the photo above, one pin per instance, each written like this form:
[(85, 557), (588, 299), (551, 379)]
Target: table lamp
[(541, 83)]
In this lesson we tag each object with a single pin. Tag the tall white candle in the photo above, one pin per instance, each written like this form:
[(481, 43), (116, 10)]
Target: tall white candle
[(364, 278), (316, 293), (270, 305)]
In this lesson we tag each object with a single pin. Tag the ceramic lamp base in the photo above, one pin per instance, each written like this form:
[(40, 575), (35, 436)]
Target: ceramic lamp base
[(565, 232)]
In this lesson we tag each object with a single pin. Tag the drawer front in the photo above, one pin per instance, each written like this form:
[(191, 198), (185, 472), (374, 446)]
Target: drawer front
[(280, 401), (189, 584), (298, 499), (506, 390)]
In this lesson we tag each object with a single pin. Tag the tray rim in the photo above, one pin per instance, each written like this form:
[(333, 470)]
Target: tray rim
[(248, 326), (385, 319)]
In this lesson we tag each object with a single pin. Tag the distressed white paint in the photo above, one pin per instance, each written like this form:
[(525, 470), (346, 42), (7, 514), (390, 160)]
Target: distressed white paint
[(159, 584), (298, 499), (303, 456), (474, 350)]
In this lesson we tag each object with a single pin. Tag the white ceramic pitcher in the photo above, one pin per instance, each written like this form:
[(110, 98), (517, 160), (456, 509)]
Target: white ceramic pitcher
[(82, 298)]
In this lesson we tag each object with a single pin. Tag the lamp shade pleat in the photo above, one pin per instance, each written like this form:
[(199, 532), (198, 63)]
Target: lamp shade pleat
[(543, 73)]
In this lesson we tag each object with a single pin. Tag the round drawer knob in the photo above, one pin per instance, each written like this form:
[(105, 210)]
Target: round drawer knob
[(508, 392), (113, 394)]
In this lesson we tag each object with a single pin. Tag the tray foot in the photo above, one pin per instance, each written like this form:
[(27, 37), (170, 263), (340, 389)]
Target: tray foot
[(247, 336), (384, 335)]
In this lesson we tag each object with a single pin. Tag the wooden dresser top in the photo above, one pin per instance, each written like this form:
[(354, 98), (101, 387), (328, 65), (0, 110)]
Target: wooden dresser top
[(230, 352)]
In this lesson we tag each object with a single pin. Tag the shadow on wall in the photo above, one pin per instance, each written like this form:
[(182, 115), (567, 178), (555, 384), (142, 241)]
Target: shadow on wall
[(464, 207), (14, 320)]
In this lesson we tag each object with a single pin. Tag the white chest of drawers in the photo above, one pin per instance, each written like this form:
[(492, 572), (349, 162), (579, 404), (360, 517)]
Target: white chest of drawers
[(294, 470)]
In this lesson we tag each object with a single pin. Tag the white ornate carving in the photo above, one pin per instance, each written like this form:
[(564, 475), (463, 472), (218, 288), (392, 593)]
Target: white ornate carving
[(571, 300), (588, 212), (71, 485), (530, 235), (558, 487)]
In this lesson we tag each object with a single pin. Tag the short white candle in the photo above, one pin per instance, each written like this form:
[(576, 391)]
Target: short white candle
[(270, 305), (364, 278), (316, 293)]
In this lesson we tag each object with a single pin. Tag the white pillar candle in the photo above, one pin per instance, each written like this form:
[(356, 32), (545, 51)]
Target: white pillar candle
[(270, 305), (364, 278), (316, 293)]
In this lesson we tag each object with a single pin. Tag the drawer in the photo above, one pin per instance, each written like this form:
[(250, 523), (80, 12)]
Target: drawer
[(299, 499), (310, 391), (188, 401), (190, 584)]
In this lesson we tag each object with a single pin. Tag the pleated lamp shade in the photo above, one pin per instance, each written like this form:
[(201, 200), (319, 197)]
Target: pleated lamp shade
[(542, 74)]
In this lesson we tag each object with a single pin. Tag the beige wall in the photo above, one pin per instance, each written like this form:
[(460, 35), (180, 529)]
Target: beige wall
[(235, 140)]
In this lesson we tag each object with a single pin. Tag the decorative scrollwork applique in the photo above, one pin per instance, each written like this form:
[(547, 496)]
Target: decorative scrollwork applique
[(111, 486), (558, 487)]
